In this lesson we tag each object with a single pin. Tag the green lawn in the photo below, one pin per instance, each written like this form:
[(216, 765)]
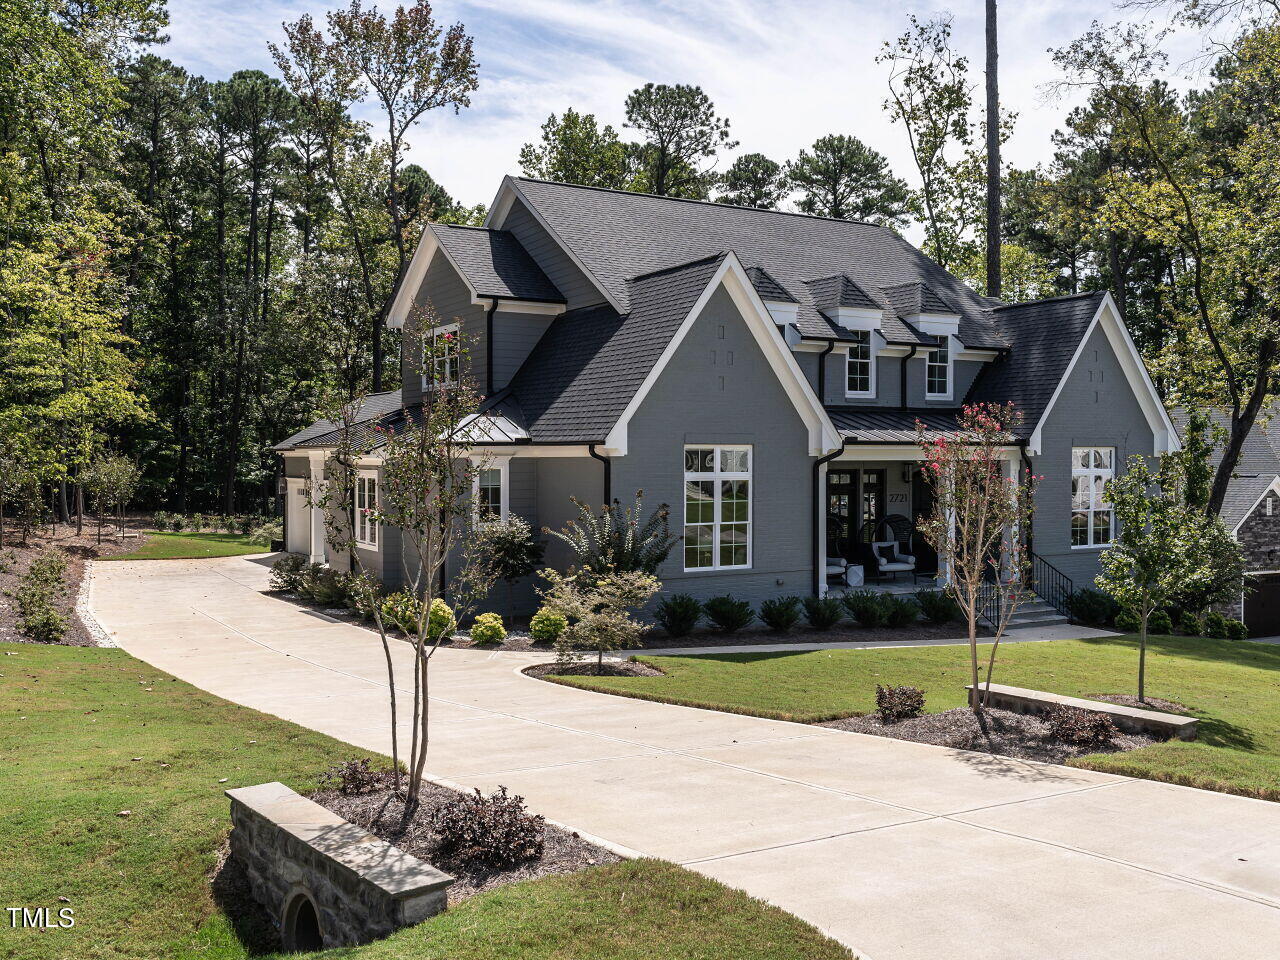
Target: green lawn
[(72, 720), (1233, 687), (191, 546)]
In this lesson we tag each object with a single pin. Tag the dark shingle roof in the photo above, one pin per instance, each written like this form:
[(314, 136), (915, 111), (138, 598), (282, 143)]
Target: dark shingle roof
[(841, 291), (495, 263), (1043, 337), (912, 299), (1242, 494), (591, 361), (767, 287), (375, 408), (1260, 452), (618, 235)]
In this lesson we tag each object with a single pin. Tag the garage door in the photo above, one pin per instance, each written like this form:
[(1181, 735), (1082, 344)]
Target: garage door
[(1262, 606)]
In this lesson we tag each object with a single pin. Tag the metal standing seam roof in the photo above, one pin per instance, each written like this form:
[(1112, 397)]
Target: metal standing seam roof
[(870, 425)]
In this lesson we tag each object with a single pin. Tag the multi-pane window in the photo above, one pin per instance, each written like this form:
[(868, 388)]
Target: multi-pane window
[(861, 367), (489, 494), (937, 369), (1092, 521), (717, 507), (366, 504), (446, 359)]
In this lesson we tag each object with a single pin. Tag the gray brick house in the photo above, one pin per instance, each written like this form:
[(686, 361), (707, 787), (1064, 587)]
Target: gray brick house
[(760, 372)]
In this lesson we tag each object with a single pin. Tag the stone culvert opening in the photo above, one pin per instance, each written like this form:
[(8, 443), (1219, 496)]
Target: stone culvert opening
[(300, 930)]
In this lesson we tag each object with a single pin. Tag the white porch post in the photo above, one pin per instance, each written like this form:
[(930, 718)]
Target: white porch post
[(944, 568), (317, 513), (820, 548)]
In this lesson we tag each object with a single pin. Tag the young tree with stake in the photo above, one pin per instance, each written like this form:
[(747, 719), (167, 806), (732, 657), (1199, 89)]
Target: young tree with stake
[(980, 508)]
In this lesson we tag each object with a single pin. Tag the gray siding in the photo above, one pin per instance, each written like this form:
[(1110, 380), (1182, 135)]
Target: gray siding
[(444, 292), (550, 256), (514, 336), (1096, 408), (560, 478), (701, 399), (888, 380)]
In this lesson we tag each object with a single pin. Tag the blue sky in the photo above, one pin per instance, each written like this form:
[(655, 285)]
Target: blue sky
[(784, 73)]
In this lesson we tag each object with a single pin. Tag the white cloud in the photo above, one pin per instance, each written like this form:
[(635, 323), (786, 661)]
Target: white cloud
[(784, 73)]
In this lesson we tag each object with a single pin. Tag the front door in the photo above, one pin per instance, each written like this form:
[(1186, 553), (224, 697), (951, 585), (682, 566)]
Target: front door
[(855, 507)]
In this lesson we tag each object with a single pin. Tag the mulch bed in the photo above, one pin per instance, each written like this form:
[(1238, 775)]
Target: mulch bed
[(16, 559), (1151, 703), (845, 632), (610, 668), (381, 813), (1006, 733)]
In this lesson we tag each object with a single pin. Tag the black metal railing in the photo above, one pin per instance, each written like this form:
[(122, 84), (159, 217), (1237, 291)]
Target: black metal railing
[(1050, 584)]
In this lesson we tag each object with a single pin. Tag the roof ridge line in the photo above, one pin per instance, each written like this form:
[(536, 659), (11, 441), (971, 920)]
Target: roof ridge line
[(1065, 296), (679, 266)]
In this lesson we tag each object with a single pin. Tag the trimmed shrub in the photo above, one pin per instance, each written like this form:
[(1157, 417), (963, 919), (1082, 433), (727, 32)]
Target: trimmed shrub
[(177, 523), (780, 613), (678, 614), (1081, 728), (823, 613), (487, 629), (247, 524), (938, 606), (1128, 621), (1159, 622), (1190, 624), (1215, 625), (286, 573), (161, 521), (1093, 608), (266, 532), (900, 611), (38, 615), (547, 625), (728, 615), (1236, 630), (42, 622), (361, 591), (441, 622), (496, 830), (351, 778), (898, 703), (401, 610), (865, 607), (323, 585)]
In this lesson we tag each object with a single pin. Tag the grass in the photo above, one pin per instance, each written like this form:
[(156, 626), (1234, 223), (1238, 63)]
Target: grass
[(72, 722), (191, 546), (1231, 686)]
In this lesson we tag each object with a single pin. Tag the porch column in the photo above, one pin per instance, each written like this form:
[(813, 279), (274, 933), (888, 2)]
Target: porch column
[(820, 548), (317, 514), (944, 568)]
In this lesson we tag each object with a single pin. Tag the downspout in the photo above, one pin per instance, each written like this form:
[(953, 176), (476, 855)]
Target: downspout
[(488, 347), (822, 371), (902, 390), (819, 561), (608, 473)]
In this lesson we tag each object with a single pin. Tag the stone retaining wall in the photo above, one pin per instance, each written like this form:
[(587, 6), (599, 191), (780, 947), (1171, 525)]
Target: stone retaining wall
[(324, 879)]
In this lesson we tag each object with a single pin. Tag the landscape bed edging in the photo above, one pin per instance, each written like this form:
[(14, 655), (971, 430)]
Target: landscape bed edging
[(327, 882), (1131, 719)]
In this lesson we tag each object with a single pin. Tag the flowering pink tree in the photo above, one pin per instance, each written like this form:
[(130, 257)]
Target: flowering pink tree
[(980, 508)]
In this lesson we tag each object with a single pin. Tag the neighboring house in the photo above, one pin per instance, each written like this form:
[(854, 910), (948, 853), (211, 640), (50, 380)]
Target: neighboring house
[(1251, 511), (760, 372)]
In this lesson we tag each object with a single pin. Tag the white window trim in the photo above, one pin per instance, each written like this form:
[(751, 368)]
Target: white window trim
[(951, 374), (430, 384), (1090, 471), (503, 466), (716, 476), (366, 531), (871, 376)]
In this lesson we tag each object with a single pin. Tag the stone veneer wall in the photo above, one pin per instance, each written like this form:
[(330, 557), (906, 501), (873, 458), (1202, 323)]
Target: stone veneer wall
[(360, 887)]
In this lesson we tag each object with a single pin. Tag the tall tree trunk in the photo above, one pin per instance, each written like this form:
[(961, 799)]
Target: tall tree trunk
[(993, 156)]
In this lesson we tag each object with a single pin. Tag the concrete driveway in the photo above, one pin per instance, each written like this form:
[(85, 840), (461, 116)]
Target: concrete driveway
[(899, 850)]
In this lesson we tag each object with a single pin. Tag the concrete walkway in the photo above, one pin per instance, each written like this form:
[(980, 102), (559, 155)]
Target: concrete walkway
[(900, 850)]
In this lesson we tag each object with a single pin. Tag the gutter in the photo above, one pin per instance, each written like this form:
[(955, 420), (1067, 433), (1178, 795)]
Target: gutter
[(819, 562), (608, 473)]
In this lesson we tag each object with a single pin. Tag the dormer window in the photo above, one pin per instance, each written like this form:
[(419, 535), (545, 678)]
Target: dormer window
[(447, 363), (861, 366), (937, 371)]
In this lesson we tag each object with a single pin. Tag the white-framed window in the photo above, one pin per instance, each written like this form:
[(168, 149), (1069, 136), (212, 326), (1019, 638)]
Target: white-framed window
[(448, 362), (717, 507), (491, 490), (860, 371), (1092, 519), (366, 504), (937, 370)]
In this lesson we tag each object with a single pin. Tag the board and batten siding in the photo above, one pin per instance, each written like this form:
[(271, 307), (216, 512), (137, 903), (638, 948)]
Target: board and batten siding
[(719, 389), (559, 267), (1096, 408)]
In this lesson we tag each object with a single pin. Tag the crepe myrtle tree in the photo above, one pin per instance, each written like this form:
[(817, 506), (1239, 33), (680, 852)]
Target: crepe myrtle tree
[(1158, 551), (978, 514), (423, 489)]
